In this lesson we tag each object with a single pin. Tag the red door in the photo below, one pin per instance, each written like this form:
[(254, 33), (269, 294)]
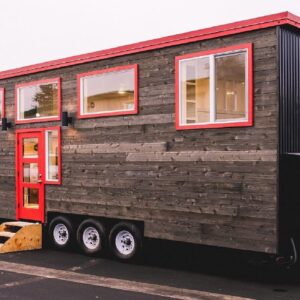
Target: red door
[(30, 176)]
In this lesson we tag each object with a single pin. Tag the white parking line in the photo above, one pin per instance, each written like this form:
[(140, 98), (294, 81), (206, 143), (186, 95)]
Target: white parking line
[(115, 283)]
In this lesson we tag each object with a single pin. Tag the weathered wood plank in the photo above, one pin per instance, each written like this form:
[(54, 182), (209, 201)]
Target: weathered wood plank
[(254, 155)]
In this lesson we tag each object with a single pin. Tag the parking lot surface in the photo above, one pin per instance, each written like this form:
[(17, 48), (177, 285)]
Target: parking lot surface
[(169, 271)]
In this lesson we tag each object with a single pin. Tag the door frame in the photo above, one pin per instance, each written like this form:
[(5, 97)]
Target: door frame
[(42, 162)]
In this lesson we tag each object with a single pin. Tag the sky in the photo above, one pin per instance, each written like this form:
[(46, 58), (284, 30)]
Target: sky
[(34, 31)]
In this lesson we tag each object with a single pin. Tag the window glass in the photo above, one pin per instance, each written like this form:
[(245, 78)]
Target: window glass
[(195, 90), (213, 88), (52, 163), (230, 87), (38, 101), (108, 92), (30, 147), (31, 198), (30, 172)]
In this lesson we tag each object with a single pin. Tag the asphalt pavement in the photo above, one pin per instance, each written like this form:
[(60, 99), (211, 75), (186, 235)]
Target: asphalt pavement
[(166, 270)]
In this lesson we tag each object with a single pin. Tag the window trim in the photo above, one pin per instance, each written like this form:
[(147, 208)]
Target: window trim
[(249, 73), (47, 129), (2, 91), (81, 115), (33, 83)]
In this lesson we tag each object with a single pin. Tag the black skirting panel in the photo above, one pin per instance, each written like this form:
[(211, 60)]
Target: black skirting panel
[(289, 90)]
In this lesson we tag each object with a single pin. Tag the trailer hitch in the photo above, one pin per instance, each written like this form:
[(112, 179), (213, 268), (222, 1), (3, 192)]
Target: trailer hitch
[(290, 260)]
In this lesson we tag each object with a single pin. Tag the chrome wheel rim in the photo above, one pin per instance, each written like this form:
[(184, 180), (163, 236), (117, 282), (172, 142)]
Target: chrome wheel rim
[(91, 238), (125, 242), (61, 234)]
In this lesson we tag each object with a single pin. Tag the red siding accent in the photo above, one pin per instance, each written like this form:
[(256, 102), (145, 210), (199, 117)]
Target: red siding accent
[(43, 81), (249, 122), (30, 213), (43, 159), (2, 91), (108, 114), (178, 39)]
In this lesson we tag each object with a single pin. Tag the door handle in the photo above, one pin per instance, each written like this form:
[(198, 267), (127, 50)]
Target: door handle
[(40, 179)]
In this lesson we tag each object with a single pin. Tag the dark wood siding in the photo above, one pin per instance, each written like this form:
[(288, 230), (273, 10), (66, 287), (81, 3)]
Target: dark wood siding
[(210, 186)]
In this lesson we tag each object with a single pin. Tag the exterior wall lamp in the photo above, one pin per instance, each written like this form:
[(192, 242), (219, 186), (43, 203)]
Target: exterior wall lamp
[(5, 124), (65, 119)]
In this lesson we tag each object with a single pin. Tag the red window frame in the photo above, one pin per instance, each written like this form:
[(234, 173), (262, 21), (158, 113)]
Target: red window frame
[(38, 82), (246, 123), (2, 91), (108, 114), (58, 128)]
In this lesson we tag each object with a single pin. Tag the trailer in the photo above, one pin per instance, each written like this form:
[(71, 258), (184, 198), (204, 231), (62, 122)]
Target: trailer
[(193, 137)]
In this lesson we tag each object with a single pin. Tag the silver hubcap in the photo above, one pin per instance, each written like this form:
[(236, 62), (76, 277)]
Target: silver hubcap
[(125, 243), (61, 234), (91, 238)]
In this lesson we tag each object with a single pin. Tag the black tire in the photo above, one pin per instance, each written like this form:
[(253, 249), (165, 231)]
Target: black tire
[(125, 236), (61, 233), (95, 240)]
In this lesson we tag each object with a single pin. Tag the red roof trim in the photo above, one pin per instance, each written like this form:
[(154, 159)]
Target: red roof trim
[(192, 36)]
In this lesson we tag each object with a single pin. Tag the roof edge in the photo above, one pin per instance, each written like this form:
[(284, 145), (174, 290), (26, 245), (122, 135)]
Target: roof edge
[(177, 39)]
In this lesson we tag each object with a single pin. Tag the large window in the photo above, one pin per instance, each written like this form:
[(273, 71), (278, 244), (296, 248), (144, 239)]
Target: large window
[(214, 88), (2, 104), (38, 101), (108, 92)]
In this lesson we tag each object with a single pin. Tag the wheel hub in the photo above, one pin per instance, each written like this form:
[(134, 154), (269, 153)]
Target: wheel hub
[(61, 234), (91, 238), (125, 242)]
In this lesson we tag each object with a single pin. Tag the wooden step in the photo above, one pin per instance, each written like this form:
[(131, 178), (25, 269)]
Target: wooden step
[(6, 234), (17, 224), (28, 236)]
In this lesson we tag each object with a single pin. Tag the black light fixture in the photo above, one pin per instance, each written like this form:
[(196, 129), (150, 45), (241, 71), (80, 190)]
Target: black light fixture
[(5, 124), (65, 119)]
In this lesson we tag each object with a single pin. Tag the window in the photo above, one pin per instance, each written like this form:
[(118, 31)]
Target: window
[(108, 92), (38, 101), (53, 156), (2, 104), (214, 88)]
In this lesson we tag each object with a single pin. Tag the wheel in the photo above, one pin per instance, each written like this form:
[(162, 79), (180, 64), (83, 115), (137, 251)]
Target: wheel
[(60, 232), (91, 237), (125, 240)]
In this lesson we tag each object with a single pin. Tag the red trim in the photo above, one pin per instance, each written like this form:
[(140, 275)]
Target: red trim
[(57, 182), (114, 113), (42, 156), (38, 82), (30, 213), (2, 91), (249, 122), (192, 36)]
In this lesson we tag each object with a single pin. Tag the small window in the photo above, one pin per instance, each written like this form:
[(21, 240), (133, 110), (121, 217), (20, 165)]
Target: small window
[(108, 92), (53, 164), (38, 101), (2, 104), (214, 88)]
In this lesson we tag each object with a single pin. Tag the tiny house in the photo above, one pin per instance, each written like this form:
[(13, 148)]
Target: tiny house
[(193, 137)]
